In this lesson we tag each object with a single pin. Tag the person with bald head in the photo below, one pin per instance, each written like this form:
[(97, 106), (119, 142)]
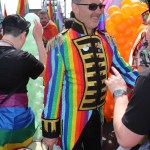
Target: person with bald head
[(78, 63)]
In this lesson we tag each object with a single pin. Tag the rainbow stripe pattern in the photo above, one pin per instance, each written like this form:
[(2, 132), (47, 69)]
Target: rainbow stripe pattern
[(23, 7), (66, 84), (17, 123)]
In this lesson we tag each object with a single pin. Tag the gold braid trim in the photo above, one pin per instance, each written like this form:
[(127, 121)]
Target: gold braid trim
[(51, 128), (52, 123)]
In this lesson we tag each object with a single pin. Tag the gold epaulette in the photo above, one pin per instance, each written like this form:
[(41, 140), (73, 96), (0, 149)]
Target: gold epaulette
[(64, 31), (52, 43), (51, 128), (110, 39)]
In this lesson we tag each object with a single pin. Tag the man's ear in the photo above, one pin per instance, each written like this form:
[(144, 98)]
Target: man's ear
[(23, 35)]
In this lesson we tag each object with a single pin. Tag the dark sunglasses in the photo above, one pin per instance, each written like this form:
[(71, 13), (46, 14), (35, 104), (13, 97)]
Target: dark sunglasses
[(93, 6), (145, 16)]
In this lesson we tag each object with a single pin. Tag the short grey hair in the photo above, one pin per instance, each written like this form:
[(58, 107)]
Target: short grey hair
[(76, 1)]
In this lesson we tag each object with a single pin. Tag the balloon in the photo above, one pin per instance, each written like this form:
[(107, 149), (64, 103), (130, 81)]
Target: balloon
[(123, 24), (143, 9), (121, 27), (126, 2), (119, 35), (126, 11), (131, 21), (35, 87), (129, 32), (136, 10), (109, 24), (121, 41), (113, 9), (138, 3), (116, 17), (144, 5), (109, 106), (138, 20)]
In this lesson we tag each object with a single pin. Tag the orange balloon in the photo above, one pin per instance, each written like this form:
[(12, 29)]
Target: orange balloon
[(131, 39), (144, 5), (137, 2), (143, 9), (126, 2), (131, 21), (138, 20), (127, 47), (113, 9), (116, 17), (119, 35), (108, 106), (129, 32), (110, 26), (121, 41), (136, 10), (121, 27), (126, 11)]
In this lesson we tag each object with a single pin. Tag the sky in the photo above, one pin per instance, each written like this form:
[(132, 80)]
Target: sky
[(11, 5)]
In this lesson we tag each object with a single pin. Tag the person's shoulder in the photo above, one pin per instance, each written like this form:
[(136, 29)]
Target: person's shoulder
[(54, 42), (109, 38)]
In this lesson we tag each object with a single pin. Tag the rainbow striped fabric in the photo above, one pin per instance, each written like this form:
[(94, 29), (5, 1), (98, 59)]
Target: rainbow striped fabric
[(17, 124), (66, 78), (23, 7)]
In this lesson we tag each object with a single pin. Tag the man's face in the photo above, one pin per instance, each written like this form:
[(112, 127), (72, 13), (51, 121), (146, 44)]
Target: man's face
[(90, 18), (44, 19)]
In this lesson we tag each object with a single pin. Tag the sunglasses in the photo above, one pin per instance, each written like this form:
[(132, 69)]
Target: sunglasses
[(93, 6), (145, 16)]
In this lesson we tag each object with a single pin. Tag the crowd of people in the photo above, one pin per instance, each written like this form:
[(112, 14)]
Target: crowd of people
[(75, 65)]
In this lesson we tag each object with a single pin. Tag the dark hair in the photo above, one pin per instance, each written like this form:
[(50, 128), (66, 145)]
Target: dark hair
[(72, 15), (148, 4), (15, 25)]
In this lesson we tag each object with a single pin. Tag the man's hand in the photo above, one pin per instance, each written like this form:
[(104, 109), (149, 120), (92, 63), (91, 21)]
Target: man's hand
[(116, 82), (50, 142)]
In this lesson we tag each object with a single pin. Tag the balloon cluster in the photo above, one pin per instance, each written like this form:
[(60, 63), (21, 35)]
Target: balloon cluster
[(123, 23), (35, 87)]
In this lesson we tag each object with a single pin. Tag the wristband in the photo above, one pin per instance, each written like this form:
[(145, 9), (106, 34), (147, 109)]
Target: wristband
[(119, 93)]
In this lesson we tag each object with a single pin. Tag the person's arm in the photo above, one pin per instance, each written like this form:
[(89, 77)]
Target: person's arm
[(37, 34), (54, 74), (123, 67), (125, 136)]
